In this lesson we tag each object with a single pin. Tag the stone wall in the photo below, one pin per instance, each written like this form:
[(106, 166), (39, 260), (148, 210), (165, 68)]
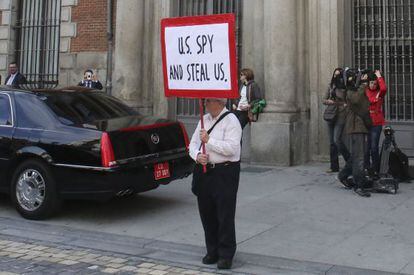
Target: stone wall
[(301, 43), (293, 55), (8, 10), (137, 78)]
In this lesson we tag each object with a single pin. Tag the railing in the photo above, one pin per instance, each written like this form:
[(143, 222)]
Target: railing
[(383, 32)]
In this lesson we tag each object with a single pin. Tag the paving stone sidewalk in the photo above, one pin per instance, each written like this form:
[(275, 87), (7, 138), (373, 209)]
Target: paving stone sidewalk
[(28, 247), (29, 257)]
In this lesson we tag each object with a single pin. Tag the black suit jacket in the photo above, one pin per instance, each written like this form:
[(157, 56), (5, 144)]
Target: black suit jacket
[(91, 84), (17, 81)]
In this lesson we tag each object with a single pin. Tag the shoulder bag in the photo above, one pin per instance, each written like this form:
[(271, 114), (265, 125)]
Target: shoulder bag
[(331, 111)]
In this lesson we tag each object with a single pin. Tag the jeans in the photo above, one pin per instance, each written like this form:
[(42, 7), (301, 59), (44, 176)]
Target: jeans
[(337, 145), (355, 164), (372, 157)]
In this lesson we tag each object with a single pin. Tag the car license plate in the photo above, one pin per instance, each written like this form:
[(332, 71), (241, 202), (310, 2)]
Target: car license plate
[(161, 171)]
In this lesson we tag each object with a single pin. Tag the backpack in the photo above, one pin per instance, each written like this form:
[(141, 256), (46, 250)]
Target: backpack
[(399, 164)]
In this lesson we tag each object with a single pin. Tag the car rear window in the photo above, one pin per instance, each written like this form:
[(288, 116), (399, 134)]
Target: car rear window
[(85, 107), (5, 111)]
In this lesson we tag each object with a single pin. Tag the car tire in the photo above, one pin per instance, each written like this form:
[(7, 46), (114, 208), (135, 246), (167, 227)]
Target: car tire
[(33, 190)]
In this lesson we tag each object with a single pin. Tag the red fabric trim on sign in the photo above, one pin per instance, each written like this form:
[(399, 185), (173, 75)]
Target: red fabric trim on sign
[(228, 18)]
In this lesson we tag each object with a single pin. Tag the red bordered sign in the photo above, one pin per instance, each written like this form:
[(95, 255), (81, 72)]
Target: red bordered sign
[(199, 56)]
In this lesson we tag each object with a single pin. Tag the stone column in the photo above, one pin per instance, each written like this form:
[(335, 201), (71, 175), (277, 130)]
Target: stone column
[(128, 56), (326, 29), (278, 138), (162, 9)]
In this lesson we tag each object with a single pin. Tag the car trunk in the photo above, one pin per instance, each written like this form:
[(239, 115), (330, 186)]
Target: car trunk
[(137, 137)]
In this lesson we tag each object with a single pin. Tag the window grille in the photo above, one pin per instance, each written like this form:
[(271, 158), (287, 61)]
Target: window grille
[(383, 32), (38, 42), (189, 107)]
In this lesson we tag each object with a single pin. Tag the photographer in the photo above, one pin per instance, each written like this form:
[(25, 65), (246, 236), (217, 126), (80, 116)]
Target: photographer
[(90, 80), (358, 122), (375, 92)]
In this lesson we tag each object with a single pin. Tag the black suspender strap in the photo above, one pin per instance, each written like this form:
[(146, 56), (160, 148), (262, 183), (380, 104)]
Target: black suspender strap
[(214, 125)]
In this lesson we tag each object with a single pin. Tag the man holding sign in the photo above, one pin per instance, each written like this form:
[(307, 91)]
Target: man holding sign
[(199, 61), (216, 189)]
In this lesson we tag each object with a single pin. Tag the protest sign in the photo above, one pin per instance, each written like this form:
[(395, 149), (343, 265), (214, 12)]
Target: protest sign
[(199, 56)]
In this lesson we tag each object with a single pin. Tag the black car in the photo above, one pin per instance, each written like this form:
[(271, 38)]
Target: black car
[(82, 144)]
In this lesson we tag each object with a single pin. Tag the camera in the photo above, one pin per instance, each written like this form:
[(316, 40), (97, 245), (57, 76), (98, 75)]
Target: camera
[(354, 77)]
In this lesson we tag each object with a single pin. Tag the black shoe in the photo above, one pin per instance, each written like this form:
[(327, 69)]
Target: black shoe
[(362, 192), (209, 259), (348, 183), (224, 263)]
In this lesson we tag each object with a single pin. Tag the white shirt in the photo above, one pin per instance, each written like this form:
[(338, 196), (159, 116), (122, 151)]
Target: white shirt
[(243, 98), (224, 142), (11, 78)]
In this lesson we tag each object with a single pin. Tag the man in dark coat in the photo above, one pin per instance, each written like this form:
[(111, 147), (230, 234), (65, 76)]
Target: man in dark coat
[(14, 79), (356, 127), (90, 80)]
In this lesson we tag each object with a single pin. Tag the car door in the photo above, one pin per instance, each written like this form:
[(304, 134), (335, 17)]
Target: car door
[(6, 133)]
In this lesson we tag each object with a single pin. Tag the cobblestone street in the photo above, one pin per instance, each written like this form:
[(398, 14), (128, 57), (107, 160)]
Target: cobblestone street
[(28, 257)]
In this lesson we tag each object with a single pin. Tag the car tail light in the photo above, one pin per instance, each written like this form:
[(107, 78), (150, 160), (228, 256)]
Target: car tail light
[(186, 140), (107, 152)]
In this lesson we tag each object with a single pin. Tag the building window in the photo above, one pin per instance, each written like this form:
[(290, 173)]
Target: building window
[(189, 107), (383, 32), (38, 41)]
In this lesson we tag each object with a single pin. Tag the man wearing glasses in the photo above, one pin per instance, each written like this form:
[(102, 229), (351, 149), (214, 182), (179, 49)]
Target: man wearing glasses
[(216, 189)]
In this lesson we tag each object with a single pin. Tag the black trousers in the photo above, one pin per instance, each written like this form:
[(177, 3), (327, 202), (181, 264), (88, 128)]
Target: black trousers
[(355, 164), (243, 117), (216, 193)]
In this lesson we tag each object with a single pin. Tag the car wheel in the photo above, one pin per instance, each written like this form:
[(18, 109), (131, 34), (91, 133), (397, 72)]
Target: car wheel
[(34, 191)]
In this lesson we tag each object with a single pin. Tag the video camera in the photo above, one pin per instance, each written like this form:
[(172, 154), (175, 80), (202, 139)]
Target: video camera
[(353, 77)]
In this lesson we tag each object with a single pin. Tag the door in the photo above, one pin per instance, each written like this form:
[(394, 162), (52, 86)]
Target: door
[(6, 133)]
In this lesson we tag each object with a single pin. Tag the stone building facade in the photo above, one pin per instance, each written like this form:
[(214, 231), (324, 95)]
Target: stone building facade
[(292, 46)]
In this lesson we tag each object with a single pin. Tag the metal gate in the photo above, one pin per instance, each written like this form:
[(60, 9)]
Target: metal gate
[(38, 40), (186, 110), (382, 38)]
